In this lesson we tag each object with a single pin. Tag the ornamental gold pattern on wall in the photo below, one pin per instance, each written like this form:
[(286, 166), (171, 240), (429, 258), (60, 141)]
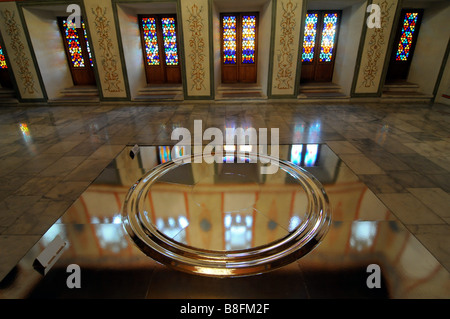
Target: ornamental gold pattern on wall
[(376, 43), (197, 45), (108, 61), (18, 49), (285, 56)]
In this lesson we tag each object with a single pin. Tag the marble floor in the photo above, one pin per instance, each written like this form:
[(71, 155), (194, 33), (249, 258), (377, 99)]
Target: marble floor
[(50, 154)]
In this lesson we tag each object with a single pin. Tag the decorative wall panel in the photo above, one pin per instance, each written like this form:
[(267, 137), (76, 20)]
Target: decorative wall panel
[(374, 53), (100, 18), (286, 47), (196, 46), (19, 52)]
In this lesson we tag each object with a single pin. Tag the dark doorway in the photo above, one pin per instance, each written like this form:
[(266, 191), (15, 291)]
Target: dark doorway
[(404, 44)]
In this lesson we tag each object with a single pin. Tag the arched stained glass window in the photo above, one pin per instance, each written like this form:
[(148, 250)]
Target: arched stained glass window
[(328, 36), (248, 39), (2, 60), (229, 39), (309, 37), (151, 41), (73, 43), (170, 41), (87, 43), (406, 37)]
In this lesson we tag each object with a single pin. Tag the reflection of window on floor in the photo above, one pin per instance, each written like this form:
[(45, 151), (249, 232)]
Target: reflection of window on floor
[(173, 227), (238, 231), (306, 155)]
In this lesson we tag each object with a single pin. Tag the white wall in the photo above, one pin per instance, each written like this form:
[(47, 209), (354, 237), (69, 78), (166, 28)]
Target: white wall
[(431, 46), (444, 86), (48, 47), (265, 27), (132, 49), (352, 21)]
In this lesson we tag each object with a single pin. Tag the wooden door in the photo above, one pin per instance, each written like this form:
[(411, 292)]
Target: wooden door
[(78, 52), (319, 45), (239, 47), (160, 48), (405, 42), (5, 80)]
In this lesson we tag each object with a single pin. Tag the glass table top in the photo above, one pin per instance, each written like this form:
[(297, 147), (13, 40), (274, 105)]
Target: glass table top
[(213, 211), (227, 215)]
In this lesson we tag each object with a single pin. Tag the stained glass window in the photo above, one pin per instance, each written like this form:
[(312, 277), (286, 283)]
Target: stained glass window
[(328, 36), (248, 39), (151, 40), (87, 43), (309, 40), (170, 41), (2, 60), (73, 43), (229, 39), (404, 46)]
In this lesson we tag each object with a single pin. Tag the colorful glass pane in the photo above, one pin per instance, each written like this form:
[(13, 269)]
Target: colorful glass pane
[(248, 39), (87, 43), (328, 36), (229, 39), (150, 40), (309, 40), (73, 43), (170, 41), (2, 60), (404, 46)]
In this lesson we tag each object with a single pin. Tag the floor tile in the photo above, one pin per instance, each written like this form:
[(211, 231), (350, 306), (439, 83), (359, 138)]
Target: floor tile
[(409, 209), (436, 239), (343, 147), (434, 198), (360, 164)]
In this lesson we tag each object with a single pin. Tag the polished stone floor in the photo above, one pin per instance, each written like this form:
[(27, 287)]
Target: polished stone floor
[(49, 155)]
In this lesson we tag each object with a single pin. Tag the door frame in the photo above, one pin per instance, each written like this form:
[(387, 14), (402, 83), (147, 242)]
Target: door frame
[(84, 51), (239, 65), (317, 46), (162, 68)]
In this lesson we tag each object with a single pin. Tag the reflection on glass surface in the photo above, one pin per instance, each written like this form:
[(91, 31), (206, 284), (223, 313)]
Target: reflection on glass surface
[(296, 154), (311, 154), (230, 210), (164, 154), (238, 231), (363, 235), (306, 155), (363, 232)]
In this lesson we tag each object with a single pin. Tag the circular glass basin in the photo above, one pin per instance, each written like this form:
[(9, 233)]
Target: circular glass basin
[(226, 219)]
